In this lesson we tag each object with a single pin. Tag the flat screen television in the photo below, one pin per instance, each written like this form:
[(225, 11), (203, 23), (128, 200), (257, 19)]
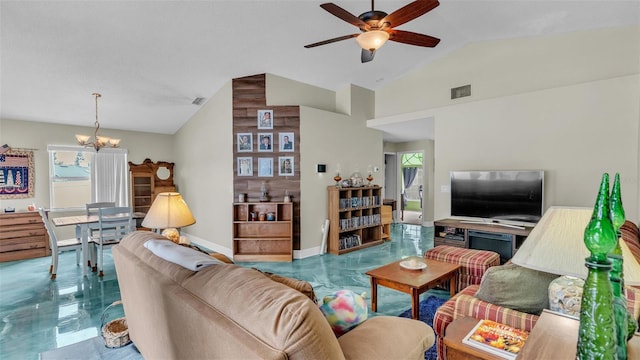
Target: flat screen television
[(498, 195)]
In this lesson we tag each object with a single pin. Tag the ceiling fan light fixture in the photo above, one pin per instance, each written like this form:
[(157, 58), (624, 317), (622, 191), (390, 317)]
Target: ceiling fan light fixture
[(372, 40)]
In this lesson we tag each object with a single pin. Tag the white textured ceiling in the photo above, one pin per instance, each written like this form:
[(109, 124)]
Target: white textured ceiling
[(150, 59)]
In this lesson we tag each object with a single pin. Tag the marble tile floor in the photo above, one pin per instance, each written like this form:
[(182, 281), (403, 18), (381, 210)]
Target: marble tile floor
[(38, 314)]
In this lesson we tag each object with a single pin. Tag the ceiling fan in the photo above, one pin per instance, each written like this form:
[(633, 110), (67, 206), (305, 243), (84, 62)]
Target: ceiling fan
[(377, 27)]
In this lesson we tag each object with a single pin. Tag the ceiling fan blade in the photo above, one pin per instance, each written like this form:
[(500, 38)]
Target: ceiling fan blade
[(367, 55), (329, 41), (411, 38), (343, 14), (408, 12)]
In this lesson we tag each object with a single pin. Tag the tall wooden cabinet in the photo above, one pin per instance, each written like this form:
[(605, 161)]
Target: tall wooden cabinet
[(263, 231), (148, 180), (354, 218), (22, 236)]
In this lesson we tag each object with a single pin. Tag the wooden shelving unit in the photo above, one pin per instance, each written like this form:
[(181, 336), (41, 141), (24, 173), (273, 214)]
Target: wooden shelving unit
[(22, 236), (146, 184), (459, 233), (266, 240), (354, 218)]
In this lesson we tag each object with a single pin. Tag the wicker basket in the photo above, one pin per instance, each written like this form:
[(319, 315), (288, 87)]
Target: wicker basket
[(115, 332)]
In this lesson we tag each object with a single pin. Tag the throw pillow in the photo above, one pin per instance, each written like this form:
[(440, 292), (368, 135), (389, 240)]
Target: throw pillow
[(516, 288), (304, 287), (344, 310)]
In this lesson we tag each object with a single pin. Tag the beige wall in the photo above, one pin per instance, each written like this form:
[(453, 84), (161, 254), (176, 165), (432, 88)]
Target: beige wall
[(204, 148), (336, 140), (285, 92), (427, 148), (557, 104), (36, 135), (592, 130), (514, 66)]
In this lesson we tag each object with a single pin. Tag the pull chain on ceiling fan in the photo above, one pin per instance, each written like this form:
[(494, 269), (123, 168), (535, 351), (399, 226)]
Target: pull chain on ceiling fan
[(377, 27)]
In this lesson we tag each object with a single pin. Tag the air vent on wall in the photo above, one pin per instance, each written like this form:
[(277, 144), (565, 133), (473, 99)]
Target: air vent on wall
[(460, 91)]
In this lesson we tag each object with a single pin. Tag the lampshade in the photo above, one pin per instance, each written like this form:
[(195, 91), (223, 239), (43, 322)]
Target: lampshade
[(169, 210), (372, 40), (556, 245)]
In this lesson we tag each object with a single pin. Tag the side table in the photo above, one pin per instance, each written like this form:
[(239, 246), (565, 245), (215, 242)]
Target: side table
[(554, 336), (455, 349)]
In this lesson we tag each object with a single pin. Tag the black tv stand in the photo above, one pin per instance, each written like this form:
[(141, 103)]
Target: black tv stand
[(492, 222), (504, 239)]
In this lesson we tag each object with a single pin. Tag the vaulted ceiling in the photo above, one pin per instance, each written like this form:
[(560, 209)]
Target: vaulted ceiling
[(151, 59)]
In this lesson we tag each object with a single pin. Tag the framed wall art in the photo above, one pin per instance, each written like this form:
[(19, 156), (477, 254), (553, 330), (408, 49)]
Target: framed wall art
[(245, 166), (17, 175), (266, 142), (285, 166), (265, 119), (245, 142), (265, 167), (286, 141)]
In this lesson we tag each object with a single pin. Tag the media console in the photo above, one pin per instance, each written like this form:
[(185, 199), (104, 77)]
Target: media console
[(505, 240)]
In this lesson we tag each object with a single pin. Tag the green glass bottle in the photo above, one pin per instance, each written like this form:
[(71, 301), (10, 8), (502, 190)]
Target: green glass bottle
[(625, 324), (597, 334)]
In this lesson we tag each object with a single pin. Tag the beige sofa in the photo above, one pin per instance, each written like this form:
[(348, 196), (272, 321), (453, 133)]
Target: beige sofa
[(227, 311)]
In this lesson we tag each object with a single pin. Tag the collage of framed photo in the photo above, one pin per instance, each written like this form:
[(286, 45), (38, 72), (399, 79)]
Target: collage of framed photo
[(264, 142), (265, 119), (245, 166)]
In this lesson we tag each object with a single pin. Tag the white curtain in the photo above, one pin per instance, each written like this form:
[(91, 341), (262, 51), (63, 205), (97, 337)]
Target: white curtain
[(110, 177)]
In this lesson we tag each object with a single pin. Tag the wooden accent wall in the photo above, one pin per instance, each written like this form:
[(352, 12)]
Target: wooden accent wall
[(249, 96)]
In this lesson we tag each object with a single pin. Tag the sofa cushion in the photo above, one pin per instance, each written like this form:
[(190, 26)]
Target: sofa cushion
[(516, 288), (304, 287)]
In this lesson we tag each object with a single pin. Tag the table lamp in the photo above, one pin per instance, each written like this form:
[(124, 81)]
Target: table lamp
[(556, 246), (168, 211)]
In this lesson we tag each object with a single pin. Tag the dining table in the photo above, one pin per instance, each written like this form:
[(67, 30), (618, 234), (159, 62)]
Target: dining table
[(84, 222)]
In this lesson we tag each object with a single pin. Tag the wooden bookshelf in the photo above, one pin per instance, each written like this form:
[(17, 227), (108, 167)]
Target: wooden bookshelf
[(263, 240), (354, 218)]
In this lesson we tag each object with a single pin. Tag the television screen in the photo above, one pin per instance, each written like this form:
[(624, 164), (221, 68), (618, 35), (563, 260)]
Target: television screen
[(498, 195)]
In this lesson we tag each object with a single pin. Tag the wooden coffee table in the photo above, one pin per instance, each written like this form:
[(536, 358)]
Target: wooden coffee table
[(412, 282)]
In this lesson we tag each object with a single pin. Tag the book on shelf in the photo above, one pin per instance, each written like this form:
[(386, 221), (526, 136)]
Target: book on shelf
[(498, 339)]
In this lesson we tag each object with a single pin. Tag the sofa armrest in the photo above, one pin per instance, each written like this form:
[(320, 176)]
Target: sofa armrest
[(467, 305), (387, 337)]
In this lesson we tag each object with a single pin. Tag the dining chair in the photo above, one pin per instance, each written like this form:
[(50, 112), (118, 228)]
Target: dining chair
[(92, 209), (113, 224), (58, 246)]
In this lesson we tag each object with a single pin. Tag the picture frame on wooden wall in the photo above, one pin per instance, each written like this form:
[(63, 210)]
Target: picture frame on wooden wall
[(286, 166), (265, 119), (245, 166), (265, 167), (245, 142), (266, 142), (286, 141)]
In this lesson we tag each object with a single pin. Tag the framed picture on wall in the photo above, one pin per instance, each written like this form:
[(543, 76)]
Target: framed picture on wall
[(265, 119), (285, 141), (265, 167), (245, 142), (266, 142), (245, 166), (285, 166)]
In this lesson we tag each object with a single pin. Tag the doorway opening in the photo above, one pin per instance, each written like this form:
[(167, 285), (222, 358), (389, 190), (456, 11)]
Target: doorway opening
[(412, 180)]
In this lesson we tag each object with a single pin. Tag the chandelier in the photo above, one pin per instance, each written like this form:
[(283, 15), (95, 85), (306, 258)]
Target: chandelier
[(100, 141)]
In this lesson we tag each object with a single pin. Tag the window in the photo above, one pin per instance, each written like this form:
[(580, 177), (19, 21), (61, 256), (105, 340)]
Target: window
[(79, 175)]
